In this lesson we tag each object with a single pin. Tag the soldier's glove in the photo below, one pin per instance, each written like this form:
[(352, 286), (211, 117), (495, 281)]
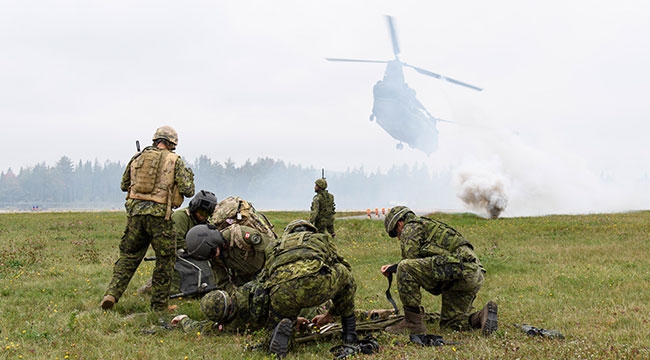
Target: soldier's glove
[(367, 345)]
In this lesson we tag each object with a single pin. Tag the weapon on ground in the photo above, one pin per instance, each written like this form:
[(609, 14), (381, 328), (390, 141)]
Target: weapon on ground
[(150, 258), (390, 271), (535, 331), (198, 292)]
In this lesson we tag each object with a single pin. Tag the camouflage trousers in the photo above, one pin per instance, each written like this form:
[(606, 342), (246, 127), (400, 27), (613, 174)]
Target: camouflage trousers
[(325, 228), (140, 232), (334, 283), (457, 283)]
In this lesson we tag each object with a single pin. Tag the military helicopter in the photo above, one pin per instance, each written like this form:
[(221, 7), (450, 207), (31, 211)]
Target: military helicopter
[(395, 106)]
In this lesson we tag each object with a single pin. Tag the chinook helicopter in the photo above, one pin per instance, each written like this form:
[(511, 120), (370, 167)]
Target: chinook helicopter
[(395, 106)]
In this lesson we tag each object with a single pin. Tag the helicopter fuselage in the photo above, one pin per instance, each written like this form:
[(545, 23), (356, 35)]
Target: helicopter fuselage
[(397, 111)]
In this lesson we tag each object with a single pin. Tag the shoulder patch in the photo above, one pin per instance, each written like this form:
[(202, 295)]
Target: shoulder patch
[(255, 239)]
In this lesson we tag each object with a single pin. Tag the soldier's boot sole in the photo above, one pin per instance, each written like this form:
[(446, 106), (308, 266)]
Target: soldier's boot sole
[(491, 323), (107, 302), (280, 338)]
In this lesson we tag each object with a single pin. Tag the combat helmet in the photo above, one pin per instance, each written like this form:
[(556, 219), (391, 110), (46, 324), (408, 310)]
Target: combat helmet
[(166, 133), (321, 183), (204, 201), (298, 226), (394, 215), (202, 241), (219, 306)]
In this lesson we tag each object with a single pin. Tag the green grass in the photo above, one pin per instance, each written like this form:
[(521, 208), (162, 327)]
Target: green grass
[(587, 276)]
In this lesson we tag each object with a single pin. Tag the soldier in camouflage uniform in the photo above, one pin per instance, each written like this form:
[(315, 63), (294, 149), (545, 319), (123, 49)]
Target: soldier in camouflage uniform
[(440, 260), (303, 269), (241, 258), (323, 208), (197, 212), (156, 181), (236, 253)]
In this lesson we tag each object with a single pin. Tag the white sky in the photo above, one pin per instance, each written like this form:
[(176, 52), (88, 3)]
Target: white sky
[(564, 104)]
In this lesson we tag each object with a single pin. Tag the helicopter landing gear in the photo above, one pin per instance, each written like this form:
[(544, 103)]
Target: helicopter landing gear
[(372, 117), (399, 146)]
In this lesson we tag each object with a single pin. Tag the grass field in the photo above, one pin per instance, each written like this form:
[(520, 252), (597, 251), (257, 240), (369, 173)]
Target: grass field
[(587, 276)]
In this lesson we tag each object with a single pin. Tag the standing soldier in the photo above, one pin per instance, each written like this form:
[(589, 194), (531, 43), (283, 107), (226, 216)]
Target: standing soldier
[(156, 180), (323, 208), (440, 260)]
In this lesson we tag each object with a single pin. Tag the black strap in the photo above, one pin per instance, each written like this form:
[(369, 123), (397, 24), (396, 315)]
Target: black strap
[(390, 271)]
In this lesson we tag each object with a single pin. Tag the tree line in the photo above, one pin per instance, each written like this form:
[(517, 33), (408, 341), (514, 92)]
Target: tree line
[(269, 184)]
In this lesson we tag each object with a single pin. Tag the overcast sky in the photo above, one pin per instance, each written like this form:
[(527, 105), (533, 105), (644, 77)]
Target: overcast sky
[(561, 125)]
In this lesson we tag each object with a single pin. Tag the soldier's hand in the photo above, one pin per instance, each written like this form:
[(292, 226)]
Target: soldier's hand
[(322, 319), (384, 269), (177, 319), (300, 322)]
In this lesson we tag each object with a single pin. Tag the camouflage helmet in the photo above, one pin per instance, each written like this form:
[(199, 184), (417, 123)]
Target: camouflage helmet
[(394, 215), (166, 133), (218, 306), (203, 200), (299, 225), (321, 183), (202, 241)]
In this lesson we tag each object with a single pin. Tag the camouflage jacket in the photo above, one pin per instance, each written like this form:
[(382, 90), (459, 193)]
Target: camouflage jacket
[(298, 255), (243, 258), (423, 237), (183, 178), (323, 209)]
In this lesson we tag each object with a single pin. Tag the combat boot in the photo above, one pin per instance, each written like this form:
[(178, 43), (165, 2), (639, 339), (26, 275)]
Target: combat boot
[(279, 344), (413, 322), (107, 302), (486, 319), (349, 327)]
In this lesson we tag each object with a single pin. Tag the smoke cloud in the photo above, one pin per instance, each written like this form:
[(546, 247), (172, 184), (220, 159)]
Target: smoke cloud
[(483, 191)]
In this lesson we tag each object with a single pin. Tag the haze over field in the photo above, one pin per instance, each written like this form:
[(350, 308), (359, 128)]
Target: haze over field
[(560, 127)]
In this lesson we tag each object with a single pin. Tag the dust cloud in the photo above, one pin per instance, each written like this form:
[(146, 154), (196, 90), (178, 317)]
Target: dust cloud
[(483, 192)]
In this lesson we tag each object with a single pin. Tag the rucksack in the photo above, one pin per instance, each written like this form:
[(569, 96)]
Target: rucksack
[(234, 209), (196, 276)]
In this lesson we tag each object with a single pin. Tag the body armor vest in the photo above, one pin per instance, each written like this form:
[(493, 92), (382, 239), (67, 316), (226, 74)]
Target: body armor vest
[(152, 177)]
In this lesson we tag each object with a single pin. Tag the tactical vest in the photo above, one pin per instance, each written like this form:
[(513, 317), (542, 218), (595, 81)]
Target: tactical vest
[(441, 235), (299, 246), (152, 177), (326, 209)]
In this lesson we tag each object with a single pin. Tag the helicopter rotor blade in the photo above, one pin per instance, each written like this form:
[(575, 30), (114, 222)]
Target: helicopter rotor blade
[(444, 78), (393, 35), (357, 60)]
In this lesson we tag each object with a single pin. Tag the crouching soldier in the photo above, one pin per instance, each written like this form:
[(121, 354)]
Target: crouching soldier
[(440, 260), (303, 269), (236, 254)]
